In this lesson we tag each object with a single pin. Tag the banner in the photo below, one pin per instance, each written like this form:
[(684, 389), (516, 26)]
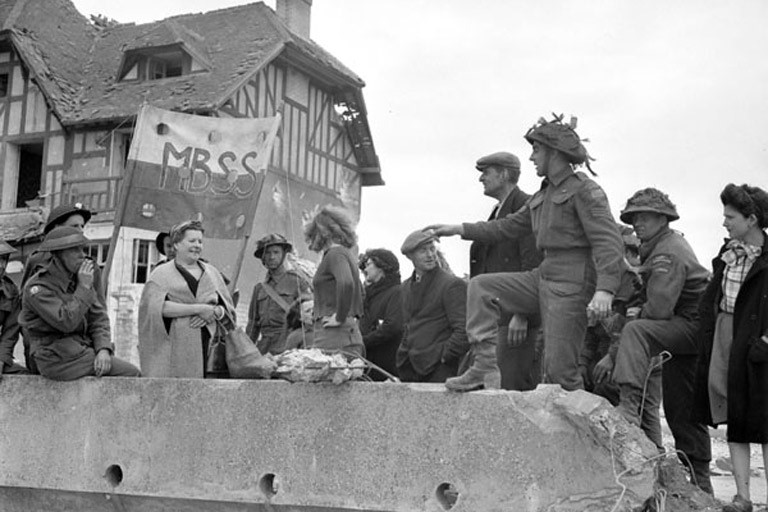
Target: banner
[(183, 166)]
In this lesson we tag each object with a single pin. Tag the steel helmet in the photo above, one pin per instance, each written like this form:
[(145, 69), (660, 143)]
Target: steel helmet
[(61, 212), (560, 136), (649, 200), (270, 240), (63, 237)]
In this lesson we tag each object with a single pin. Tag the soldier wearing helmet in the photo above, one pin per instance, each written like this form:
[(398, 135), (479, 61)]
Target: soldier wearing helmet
[(279, 293), (10, 305), (572, 222), (73, 215), (66, 323), (673, 281)]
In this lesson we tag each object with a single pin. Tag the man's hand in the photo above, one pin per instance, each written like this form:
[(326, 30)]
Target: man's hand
[(600, 306), (445, 229), (85, 274), (103, 362), (585, 376), (518, 330), (603, 370)]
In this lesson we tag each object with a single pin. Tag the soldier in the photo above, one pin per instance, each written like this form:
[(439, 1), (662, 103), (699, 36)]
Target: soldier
[(67, 325), (73, 215), (673, 282), (582, 248), (10, 305), (434, 315), (499, 175), (272, 300)]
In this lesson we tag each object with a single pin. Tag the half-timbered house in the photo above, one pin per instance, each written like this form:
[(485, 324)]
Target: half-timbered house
[(70, 90)]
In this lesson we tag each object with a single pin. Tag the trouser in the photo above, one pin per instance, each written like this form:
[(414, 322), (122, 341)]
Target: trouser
[(440, 373), (55, 368), (643, 339), (13, 369), (562, 306), (520, 366)]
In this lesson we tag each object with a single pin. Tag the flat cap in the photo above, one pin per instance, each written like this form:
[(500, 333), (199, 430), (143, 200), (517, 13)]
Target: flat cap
[(416, 239), (500, 158)]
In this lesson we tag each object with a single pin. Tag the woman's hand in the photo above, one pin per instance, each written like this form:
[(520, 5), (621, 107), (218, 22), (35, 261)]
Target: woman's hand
[(103, 362), (330, 321), (206, 315)]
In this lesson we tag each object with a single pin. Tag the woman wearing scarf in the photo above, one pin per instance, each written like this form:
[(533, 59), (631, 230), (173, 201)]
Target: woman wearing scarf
[(179, 309), (382, 323), (733, 373)]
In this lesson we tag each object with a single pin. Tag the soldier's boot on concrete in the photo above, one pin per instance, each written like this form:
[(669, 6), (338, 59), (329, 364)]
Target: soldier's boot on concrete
[(700, 472), (630, 399), (484, 372)]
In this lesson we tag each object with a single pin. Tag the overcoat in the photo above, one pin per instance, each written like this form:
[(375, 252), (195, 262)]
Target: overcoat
[(169, 347), (748, 363), (382, 322)]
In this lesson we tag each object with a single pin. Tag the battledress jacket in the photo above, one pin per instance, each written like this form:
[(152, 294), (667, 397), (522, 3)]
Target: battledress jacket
[(570, 213), (748, 362), (169, 347), (61, 319), (10, 306)]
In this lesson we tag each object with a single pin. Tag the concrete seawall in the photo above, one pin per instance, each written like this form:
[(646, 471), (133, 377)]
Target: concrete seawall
[(163, 444)]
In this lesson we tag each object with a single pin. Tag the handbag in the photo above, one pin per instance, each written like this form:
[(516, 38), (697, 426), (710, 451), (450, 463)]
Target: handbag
[(216, 359), (243, 357)]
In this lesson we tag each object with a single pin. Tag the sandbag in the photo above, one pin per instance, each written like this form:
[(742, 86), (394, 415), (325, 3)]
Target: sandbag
[(244, 359)]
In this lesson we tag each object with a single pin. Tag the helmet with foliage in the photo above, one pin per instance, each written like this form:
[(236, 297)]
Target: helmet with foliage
[(560, 136), (649, 200), (270, 240)]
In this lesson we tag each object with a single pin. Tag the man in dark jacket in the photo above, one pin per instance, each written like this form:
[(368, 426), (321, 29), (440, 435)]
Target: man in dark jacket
[(673, 281), (10, 305), (434, 315), (382, 322), (499, 175)]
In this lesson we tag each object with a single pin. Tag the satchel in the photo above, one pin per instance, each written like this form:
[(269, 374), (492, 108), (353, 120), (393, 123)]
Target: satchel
[(243, 358), (216, 360)]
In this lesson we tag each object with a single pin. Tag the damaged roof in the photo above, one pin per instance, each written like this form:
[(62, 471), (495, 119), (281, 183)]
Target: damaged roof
[(76, 63)]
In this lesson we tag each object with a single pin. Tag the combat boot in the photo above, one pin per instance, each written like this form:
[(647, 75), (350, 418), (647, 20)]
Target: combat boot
[(484, 372), (630, 399)]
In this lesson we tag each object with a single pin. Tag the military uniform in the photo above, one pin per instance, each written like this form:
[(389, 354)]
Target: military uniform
[(583, 251), (10, 305), (674, 281), (267, 318), (66, 326)]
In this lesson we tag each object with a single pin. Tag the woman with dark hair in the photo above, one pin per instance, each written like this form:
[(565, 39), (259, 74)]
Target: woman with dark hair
[(733, 370), (179, 309), (337, 289), (382, 323)]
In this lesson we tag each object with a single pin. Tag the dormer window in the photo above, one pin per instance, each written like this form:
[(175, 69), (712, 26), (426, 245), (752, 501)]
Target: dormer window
[(157, 63)]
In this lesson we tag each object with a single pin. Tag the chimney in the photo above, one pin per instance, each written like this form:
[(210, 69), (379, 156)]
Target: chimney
[(295, 14)]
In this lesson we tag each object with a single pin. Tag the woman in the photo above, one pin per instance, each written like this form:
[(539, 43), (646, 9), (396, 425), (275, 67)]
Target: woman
[(382, 323), (733, 376), (337, 290), (179, 309), (164, 248)]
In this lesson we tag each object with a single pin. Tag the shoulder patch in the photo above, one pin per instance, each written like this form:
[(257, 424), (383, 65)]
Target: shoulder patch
[(661, 263), (34, 289)]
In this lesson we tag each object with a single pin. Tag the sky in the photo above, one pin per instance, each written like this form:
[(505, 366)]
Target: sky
[(672, 95)]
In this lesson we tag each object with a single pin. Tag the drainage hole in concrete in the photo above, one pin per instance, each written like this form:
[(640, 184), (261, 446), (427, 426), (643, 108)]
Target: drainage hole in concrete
[(269, 485), (114, 475), (446, 495)]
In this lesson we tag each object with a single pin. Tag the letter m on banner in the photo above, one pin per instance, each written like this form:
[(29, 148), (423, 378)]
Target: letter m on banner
[(184, 166)]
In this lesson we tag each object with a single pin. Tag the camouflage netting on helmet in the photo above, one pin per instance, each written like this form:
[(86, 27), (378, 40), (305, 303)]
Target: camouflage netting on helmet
[(649, 200), (562, 137)]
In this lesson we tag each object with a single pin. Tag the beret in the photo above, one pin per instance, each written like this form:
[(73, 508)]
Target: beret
[(415, 239), (501, 158)]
